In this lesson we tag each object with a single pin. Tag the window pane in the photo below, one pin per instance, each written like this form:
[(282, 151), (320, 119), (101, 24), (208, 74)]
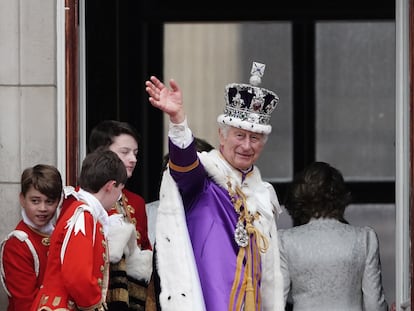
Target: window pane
[(355, 96), (204, 57)]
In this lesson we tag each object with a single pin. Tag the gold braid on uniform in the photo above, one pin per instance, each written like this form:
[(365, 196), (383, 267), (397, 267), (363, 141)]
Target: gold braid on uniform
[(125, 292), (121, 207), (245, 290), (117, 297), (137, 290)]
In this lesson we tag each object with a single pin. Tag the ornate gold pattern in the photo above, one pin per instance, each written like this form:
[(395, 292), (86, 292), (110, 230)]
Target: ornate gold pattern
[(118, 292), (137, 290), (46, 241), (122, 207), (131, 209), (245, 230)]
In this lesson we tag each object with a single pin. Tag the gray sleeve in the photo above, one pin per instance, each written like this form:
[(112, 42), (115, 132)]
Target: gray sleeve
[(373, 292), (284, 265)]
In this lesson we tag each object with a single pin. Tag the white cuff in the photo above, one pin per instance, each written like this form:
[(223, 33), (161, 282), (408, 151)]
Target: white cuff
[(180, 134)]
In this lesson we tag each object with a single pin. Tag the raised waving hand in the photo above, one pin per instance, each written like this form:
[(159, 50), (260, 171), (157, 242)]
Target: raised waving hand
[(166, 99)]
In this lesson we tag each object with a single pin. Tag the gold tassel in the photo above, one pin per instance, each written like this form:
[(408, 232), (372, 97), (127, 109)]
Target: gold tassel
[(250, 300), (239, 200), (250, 290)]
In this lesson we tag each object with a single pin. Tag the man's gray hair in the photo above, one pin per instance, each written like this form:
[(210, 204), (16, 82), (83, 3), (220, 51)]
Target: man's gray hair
[(225, 130)]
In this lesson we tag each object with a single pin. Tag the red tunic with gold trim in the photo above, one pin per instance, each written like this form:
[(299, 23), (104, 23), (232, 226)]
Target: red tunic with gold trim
[(18, 261), (77, 269), (129, 277), (134, 210)]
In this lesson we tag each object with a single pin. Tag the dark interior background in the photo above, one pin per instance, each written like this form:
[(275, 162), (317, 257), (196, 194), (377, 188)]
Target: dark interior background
[(124, 46)]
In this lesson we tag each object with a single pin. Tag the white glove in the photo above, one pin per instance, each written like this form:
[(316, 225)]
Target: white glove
[(120, 235)]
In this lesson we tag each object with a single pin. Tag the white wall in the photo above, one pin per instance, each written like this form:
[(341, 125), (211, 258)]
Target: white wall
[(27, 99)]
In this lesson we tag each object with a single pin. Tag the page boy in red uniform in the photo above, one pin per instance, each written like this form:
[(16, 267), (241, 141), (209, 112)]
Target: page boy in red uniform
[(130, 272), (77, 269), (24, 251)]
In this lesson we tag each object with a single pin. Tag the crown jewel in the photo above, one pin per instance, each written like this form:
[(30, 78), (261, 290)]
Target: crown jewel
[(247, 105)]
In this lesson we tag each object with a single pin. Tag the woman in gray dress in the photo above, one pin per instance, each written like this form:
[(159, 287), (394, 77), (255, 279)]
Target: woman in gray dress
[(328, 264)]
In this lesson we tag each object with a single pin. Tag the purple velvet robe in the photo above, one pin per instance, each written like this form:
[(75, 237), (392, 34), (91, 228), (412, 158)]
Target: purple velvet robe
[(211, 221)]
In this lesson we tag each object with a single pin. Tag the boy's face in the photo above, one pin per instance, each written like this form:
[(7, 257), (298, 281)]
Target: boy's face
[(39, 208), (113, 195), (126, 147)]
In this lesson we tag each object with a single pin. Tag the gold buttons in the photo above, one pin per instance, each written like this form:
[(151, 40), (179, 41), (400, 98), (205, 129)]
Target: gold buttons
[(46, 241)]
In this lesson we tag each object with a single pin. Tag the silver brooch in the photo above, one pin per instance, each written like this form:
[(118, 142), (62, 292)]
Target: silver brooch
[(240, 235)]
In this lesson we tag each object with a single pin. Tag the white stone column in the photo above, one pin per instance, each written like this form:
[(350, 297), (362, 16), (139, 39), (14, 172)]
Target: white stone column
[(194, 54)]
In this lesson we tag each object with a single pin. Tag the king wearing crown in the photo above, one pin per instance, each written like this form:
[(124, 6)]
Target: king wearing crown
[(248, 106), (217, 246)]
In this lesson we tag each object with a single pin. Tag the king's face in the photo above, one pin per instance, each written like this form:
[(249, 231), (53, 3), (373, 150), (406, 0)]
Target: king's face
[(241, 148)]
